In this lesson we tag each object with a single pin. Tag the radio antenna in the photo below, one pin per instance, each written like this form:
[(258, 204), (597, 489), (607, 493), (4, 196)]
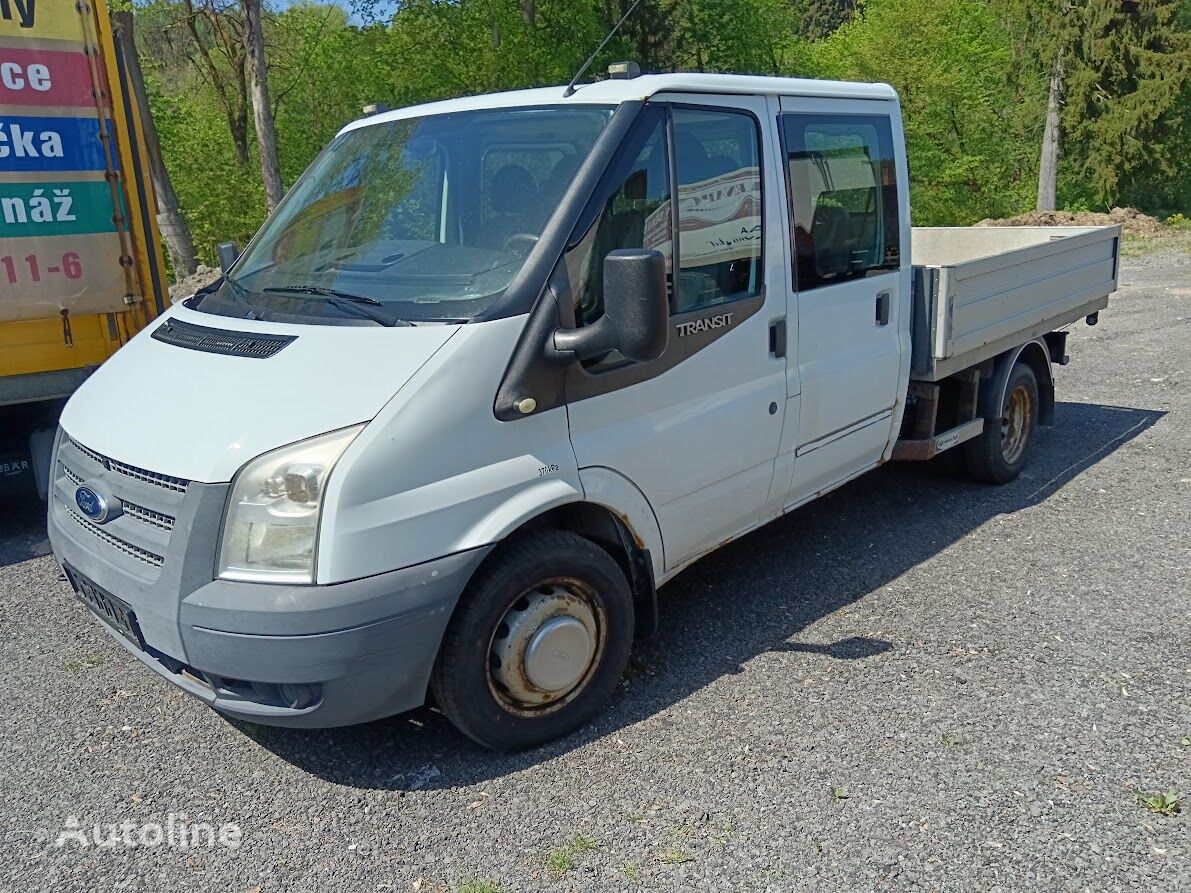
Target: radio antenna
[(570, 90)]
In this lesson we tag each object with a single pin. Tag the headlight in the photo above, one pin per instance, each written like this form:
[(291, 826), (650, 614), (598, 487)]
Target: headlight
[(271, 527)]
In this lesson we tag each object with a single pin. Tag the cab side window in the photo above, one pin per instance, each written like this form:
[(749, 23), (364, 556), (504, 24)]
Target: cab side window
[(630, 210), (842, 180), (717, 163)]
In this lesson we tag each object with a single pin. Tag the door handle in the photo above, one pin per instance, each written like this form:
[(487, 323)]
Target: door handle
[(883, 308), (777, 337)]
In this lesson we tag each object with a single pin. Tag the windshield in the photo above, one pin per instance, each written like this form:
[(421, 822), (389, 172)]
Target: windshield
[(430, 218)]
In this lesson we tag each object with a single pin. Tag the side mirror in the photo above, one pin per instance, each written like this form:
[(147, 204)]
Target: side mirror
[(228, 252), (636, 318)]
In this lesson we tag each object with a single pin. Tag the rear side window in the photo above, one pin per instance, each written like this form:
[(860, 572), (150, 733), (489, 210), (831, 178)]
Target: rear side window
[(842, 180)]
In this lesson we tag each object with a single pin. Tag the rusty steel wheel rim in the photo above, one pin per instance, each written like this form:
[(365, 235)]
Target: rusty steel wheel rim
[(546, 647), (1015, 424)]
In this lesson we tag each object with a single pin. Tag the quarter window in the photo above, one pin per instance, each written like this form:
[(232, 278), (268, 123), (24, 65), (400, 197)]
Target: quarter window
[(631, 210), (843, 197)]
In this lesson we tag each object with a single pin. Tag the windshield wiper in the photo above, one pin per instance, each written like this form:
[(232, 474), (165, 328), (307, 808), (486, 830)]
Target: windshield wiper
[(344, 301), (236, 295)]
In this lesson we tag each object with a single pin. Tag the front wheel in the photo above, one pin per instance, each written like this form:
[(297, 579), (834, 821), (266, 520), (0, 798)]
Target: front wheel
[(539, 641), (998, 455)]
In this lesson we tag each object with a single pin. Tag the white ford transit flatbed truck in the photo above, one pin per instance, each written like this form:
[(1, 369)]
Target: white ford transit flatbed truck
[(499, 367)]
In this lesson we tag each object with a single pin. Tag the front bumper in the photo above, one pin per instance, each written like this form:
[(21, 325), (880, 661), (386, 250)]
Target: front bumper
[(353, 652)]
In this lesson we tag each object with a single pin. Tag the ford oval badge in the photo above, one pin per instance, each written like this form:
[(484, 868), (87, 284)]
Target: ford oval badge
[(91, 504)]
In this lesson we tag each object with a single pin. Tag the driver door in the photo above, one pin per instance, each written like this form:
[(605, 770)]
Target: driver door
[(697, 430)]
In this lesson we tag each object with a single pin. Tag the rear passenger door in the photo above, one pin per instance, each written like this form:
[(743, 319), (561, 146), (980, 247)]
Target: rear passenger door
[(848, 223), (697, 430)]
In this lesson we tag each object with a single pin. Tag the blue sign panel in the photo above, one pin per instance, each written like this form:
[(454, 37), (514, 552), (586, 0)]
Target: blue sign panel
[(50, 144)]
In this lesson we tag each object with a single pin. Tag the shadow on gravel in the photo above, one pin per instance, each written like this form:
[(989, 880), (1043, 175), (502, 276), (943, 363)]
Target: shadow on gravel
[(22, 530), (754, 596), (852, 648)]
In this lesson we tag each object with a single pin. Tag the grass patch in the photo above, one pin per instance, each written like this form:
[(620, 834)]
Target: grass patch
[(1172, 239), (1169, 803), (480, 886), (949, 740), (583, 843), (559, 862), (839, 793), (632, 871), (86, 662), (722, 833), (675, 857)]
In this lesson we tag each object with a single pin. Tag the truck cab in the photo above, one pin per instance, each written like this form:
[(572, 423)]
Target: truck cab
[(495, 370)]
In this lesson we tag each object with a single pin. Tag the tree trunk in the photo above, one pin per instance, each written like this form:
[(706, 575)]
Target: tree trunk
[(237, 125), (173, 226), (262, 110), (1048, 165)]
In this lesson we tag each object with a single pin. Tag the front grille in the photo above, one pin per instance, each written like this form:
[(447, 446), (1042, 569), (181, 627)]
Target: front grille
[(143, 555), (160, 520), (178, 485), (165, 481), (150, 501)]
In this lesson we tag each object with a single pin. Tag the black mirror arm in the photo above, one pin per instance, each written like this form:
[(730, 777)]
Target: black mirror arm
[(566, 346)]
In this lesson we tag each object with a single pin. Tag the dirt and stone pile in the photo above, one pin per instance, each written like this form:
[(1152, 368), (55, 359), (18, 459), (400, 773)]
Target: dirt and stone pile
[(1132, 221), (184, 288)]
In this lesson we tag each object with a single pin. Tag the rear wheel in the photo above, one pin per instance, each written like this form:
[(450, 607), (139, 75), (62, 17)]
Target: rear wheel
[(998, 455), (538, 642)]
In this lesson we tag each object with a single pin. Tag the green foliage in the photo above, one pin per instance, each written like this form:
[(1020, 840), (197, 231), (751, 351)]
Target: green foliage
[(972, 152), (1126, 93), (480, 886), (220, 198), (559, 862), (819, 18), (972, 75), (1164, 803)]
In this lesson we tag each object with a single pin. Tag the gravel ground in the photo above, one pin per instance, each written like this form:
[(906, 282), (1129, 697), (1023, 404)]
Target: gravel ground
[(914, 683)]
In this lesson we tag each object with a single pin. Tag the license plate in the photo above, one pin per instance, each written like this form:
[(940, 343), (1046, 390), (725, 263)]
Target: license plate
[(107, 607)]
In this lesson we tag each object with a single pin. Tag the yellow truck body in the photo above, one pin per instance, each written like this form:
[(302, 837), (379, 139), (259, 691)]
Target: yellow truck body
[(81, 268)]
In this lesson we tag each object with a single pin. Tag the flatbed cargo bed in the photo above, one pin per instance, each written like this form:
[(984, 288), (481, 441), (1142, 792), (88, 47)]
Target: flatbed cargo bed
[(979, 291)]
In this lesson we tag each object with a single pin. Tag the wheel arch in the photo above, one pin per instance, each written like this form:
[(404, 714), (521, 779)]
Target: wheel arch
[(1036, 355), (612, 529)]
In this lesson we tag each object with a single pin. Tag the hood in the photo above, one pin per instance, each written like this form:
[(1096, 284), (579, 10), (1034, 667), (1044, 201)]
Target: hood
[(200, 416)]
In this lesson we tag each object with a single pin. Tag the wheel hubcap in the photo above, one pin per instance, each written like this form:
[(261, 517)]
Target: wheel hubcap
[(1015, 424), (544, 647)]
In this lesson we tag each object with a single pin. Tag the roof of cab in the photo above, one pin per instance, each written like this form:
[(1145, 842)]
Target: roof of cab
[(614, 91)]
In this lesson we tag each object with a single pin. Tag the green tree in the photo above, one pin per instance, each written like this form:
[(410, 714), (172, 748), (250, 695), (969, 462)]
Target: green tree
[(820, 18), (1126, 94), (971, 154)]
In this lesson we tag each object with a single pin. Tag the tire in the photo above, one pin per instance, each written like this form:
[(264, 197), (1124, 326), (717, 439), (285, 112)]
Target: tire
[(998, 455), (546, 607)]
